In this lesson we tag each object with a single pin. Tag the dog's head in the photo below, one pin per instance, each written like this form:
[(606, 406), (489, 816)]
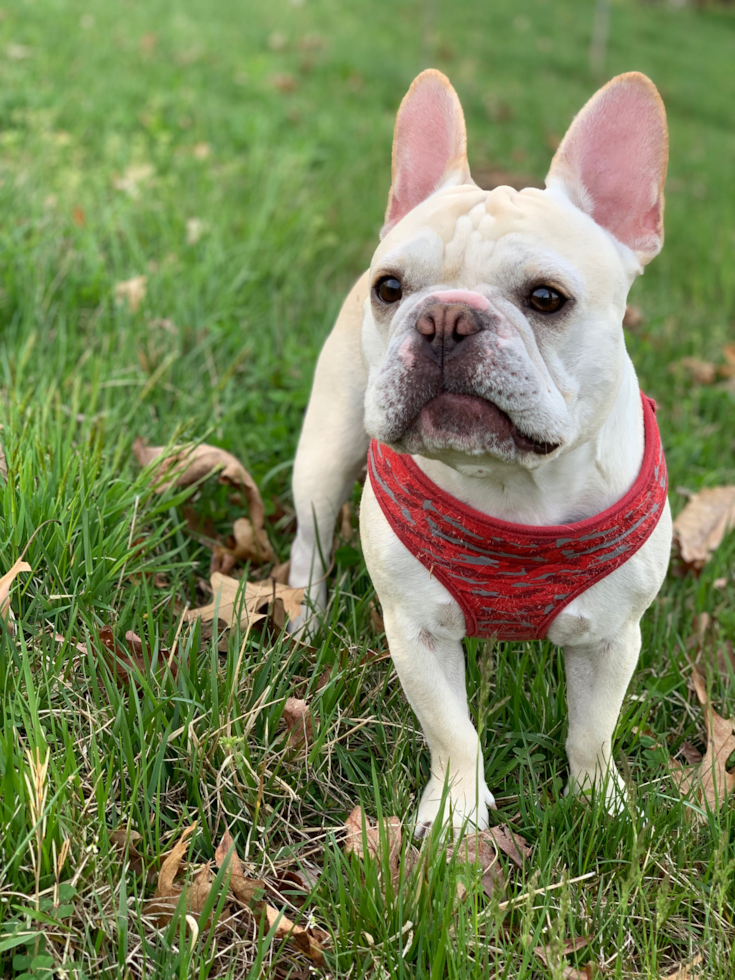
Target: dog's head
[(493, 330)]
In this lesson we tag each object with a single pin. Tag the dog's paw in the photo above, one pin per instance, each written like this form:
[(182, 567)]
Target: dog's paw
[(608, 785), (464, 802), (305, 625)]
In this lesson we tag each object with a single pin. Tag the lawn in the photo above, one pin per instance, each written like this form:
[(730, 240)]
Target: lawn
[(237, 156)]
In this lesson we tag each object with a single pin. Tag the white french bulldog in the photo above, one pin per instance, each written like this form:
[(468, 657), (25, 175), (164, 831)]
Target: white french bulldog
[(483, 353)]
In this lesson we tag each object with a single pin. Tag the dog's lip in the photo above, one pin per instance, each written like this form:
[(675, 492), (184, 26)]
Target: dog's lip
[(522, 440)]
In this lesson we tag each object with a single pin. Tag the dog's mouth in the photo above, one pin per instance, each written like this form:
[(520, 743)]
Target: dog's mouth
[(455, 418)]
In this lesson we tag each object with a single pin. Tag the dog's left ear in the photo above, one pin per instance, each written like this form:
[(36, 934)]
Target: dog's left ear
[(612, 162), (429, 145)]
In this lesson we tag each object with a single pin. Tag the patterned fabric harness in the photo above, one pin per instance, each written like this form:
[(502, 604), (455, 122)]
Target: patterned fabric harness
[(512, 580)]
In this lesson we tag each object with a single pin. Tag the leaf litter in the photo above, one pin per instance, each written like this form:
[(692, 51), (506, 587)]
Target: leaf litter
[(703, 523), (242, 892), (234, 603), (709, 779), (187, 465)]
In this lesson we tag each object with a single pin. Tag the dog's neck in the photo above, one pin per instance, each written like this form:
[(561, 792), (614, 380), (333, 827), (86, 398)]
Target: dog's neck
[(572, 487)]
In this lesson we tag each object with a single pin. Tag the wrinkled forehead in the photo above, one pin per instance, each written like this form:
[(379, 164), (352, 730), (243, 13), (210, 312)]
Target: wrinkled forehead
[(462, 225)]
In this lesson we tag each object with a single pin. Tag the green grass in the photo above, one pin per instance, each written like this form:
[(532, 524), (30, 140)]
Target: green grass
[(291, 194)]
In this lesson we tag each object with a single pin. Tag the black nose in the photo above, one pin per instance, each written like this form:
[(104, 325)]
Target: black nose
[(444, 325)]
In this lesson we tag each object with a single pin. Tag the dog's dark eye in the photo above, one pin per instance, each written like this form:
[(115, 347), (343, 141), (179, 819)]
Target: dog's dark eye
[(546, 300), (389, 289)]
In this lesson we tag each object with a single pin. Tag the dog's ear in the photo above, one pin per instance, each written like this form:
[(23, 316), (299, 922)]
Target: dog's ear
[(612, 162), (429, 145)]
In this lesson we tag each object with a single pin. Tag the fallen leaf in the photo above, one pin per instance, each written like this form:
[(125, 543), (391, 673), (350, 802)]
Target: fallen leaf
[(682, 971), (125, 663), (168, 891), (710, 778), (691, 753), (703, 523), (304, 879), (126, 840), (355, 843), (232, 603), (147, 43), (247, 889), (135, 175), (701, 372), (131, 292), (727, 370), (634, 317), (511, 844), (298, 936), (250, 543), (187, 465), (298, 721), (477, 848), (284, 82), (701, 624), (6, 583)]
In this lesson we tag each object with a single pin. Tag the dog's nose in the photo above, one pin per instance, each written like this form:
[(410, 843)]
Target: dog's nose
[(444, 325)]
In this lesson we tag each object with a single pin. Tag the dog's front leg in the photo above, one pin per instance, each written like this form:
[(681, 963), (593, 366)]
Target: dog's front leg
[(425, 627), (431, 669), (332, 449), (598, 673)]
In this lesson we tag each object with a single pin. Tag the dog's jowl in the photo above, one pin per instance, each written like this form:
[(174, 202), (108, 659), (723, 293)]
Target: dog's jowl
[(516, 483)]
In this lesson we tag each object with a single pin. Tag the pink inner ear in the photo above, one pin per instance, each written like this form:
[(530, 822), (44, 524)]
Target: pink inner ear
[(429, 140), (617, 150)]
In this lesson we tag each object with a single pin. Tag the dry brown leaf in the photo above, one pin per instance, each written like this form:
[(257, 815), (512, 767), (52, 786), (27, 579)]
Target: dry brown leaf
[(701, 372), (126, 840), (284, 82), (710, 778), (299, 937), (477, 848), (232, 603), (182, 467), (511, 844), (354, 842), (703, 523), (682, 971), (244, 889), (131, 292), (251, 544), (634, 317), (6, 583), (298, 721), (247, 889), (691, 753), (727, 370), (125, 663), (3, 465), (168, 891)]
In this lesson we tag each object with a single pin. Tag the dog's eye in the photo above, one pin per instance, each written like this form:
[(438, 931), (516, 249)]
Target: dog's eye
[(389, 289), (546, 300)]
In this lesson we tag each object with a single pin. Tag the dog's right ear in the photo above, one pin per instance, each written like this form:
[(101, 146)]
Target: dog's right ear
[(429, 145)]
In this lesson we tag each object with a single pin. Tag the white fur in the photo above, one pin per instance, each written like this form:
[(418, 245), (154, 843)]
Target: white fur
[(573, 383)]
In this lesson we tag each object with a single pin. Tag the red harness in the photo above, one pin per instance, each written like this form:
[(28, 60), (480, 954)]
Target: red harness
[(512, 580)]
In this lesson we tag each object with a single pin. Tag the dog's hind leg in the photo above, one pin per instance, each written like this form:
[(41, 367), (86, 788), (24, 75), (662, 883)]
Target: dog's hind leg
[(332, 448)]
